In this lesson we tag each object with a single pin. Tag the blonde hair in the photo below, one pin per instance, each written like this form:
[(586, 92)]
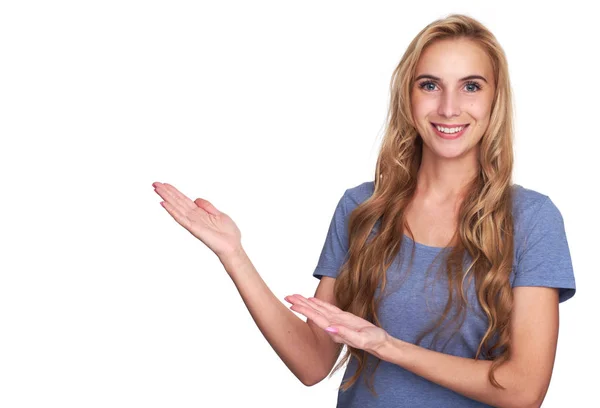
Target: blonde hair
[(485, 221)]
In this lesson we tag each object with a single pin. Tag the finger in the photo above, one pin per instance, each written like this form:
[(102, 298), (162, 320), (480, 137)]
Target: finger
[(337, 315), (292, 299), (299, 299), (206, 206), (176, 214), (176, 203), (347, 319), (179, 198), (311, 314), (323, 310), (305, 301), (182, 198), (326, 305), (168, 197)]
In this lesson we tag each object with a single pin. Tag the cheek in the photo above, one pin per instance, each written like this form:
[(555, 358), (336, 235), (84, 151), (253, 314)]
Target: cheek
[(480, 109), (483, 121), (422, 106), (479, 112)]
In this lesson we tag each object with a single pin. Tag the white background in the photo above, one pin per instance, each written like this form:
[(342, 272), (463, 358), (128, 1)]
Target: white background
[(270, 110)]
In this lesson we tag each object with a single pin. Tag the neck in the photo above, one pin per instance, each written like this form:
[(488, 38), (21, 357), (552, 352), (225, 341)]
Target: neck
[(441, 180)]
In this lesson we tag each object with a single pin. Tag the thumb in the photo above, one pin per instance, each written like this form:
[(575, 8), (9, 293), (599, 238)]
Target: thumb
[(207, 206)]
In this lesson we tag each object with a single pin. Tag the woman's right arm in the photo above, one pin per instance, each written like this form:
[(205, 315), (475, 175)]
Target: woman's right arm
[(305, 348)]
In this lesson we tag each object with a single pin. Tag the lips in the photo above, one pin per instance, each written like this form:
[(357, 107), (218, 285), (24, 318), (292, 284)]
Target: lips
[(450, 136), (449, 126)]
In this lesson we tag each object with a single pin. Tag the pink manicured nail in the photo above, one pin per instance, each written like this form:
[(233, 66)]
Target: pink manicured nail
[(332, 329)]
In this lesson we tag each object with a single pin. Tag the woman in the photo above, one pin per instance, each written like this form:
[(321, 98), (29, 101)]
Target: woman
[(482, 330)]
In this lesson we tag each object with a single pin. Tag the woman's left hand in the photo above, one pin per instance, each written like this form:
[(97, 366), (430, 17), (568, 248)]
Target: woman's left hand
[(343, 327)]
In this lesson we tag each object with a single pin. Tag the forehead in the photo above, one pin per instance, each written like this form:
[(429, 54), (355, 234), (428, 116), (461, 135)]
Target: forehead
[(454, 58)]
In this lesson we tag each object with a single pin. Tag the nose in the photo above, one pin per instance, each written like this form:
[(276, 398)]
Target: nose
[(449, 105)]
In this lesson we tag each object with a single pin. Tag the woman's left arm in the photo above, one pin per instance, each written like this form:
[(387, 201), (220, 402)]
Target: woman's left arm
[(525, 376)]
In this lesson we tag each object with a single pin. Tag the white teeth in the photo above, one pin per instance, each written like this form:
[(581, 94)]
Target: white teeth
[(449, 130)]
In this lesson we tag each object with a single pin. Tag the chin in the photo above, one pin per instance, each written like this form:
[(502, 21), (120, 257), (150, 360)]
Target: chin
[(450, 155), (449, 152)]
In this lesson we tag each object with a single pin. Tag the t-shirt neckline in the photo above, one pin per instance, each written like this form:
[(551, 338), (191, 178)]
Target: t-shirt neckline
[(423, 246)]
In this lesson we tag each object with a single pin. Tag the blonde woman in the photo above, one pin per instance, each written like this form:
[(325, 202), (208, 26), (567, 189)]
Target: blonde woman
[(441, 276)]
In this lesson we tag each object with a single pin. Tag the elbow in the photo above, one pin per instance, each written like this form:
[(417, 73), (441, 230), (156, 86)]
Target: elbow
[(531, 398), (311, 380), (530, 389), (533, 402), (309, 383), (529, 404)]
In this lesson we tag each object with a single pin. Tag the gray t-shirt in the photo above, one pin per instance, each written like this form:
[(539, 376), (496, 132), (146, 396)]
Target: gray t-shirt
[(413, 301)]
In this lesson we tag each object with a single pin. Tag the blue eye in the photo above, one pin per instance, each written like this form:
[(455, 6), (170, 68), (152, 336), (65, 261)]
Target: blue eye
[(471, 86), (425, 85), (474, 86)]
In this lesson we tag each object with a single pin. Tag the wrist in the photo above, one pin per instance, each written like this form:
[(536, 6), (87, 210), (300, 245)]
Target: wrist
[(232, 259), (386, 349)]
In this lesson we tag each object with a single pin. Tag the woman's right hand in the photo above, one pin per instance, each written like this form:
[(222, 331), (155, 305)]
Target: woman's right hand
[(211, 226)]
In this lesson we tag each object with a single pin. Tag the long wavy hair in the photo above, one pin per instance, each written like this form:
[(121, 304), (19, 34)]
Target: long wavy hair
[(485, 219)]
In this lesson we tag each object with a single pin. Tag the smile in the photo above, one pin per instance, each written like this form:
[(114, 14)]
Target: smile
[(450, 133)]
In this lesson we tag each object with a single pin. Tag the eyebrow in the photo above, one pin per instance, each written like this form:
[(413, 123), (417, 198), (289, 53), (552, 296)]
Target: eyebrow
[(462, 79)]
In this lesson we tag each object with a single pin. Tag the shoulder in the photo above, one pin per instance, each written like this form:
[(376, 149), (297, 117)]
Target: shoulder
[(542, 255), (530, 205), (526, 202), (538, 223), (356, 195)]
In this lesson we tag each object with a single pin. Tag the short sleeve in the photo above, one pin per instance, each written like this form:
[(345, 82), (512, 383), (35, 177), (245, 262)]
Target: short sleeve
[(544, 258), (335, 248)]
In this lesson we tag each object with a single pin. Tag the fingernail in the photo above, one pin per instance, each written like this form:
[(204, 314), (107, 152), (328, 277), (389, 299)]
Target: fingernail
[(332, 329)]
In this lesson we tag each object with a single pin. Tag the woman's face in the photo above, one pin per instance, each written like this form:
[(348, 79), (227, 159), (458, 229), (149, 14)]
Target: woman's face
[(452, 97)]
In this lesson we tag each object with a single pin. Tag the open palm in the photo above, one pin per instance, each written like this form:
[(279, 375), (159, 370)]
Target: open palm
[(211, 226), (346, 327)]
